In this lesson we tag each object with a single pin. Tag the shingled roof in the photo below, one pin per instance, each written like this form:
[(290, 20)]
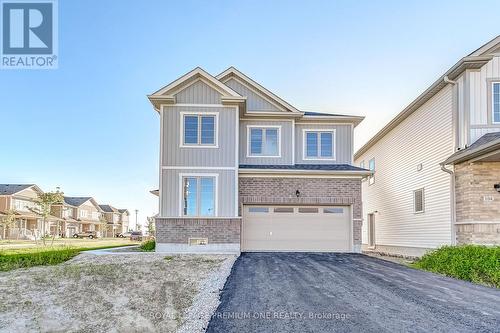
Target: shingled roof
[(311, 167), (485, 144), (108, 209), (76, 201), (9, 189)]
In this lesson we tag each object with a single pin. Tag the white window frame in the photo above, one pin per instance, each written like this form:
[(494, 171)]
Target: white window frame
[(199, 145), (81, 213), (319, 130), (263, 127), (216, 195), (371, 178), (362, 164), (493, 102), (423, 201)]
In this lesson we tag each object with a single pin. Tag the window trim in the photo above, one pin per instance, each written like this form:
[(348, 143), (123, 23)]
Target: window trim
[(319, 130), (216, 193), (183, 114), (492, 101), (423, 200), (264, 127)]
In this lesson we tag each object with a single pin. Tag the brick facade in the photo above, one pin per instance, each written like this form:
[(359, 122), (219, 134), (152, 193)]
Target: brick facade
[(477, 203), (179, 230), (313, 191), (263, 190)]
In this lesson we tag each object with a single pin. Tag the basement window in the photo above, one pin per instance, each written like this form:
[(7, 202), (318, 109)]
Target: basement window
[(198, 241), (418, 201)]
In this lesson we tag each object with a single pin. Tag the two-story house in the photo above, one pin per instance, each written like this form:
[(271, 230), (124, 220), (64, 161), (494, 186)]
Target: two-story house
[(436, 165), (124, 219), (243, 170), (67, 212), (113, 217), (86, 211), (21, 199)]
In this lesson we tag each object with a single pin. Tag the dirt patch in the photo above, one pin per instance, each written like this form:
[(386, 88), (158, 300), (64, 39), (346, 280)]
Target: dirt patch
[(396, 259), (141, 292)]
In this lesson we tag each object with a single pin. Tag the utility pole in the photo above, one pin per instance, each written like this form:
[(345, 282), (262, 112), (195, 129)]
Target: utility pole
[(136, 212)]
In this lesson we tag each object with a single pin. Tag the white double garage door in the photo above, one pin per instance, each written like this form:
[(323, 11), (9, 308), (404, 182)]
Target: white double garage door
[(296, 228)]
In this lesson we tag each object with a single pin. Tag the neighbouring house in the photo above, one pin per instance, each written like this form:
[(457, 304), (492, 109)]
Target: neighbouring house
[(21, 199), (113, 217), (124, 220), (67, 212), (87, 212), (436, 165), (243, 170)]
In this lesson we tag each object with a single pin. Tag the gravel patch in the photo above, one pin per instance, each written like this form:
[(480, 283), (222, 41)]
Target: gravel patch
[(140, 292), (207, 300)]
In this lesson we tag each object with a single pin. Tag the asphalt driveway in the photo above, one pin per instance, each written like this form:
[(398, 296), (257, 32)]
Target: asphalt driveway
[(307, 292)]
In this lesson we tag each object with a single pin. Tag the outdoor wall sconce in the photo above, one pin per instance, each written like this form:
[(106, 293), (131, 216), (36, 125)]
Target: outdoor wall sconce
[(497, 187), (297, 193)]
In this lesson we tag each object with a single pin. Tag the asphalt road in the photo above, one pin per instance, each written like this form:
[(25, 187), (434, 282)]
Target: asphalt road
[(307, 292)]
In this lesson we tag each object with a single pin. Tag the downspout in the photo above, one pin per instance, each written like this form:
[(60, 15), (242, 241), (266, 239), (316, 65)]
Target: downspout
[(452, 202), (453, 216)]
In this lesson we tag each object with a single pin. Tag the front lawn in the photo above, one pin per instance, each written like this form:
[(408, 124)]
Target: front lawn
[(23, 257), (474, 263)]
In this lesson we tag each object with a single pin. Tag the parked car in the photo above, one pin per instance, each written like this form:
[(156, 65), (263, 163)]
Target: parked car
[(136, 235), (85, 234), (124, 234)]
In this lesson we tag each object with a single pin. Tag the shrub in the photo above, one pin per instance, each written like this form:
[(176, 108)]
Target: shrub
[(479, 264), (148, 245), (49, 256)]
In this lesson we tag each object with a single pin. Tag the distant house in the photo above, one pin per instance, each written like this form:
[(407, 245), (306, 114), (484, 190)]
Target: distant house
[(117, 219), (436, 165), (124, 219), (20, 198)]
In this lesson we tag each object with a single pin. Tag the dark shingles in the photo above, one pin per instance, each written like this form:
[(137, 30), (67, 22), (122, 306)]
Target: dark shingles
[(9, 189), (322, 114), (312, 167), (480, 143), (75, 201), (108, 208)]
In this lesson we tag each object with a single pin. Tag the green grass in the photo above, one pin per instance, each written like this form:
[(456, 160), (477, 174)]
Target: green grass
[(474, 263), (41, 256), (148, 245)]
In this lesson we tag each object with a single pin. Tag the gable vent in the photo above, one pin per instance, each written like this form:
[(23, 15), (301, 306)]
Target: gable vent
[(418, 201)]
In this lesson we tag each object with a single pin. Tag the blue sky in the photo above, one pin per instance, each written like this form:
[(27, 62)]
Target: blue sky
[(89, 128)]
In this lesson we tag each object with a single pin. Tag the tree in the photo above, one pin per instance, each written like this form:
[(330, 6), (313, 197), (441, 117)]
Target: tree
[(44, 203), (151, 226), (7, 220)]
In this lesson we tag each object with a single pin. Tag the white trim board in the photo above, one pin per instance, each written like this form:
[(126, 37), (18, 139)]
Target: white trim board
[(175, 167)]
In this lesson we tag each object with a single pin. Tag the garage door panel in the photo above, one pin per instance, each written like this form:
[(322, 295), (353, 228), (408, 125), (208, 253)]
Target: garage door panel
[(297, 231)]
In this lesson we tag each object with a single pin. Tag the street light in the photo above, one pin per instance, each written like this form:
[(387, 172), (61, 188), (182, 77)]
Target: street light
[(136, 211)]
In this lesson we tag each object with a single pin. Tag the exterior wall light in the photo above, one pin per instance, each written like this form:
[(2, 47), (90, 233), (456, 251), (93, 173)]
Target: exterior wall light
[(297, 193)]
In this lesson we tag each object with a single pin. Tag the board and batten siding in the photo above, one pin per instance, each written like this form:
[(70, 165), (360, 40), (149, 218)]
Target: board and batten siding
[(254, 101), (425, 137), (479, 88), (170, 200), (286, 142), (198, 93), (343, 143), (222, 156)]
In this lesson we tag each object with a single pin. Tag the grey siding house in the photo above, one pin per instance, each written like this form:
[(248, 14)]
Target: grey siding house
[(243, 170)]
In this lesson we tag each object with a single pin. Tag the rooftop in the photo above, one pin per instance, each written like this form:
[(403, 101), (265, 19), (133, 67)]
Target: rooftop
[(9, 189)]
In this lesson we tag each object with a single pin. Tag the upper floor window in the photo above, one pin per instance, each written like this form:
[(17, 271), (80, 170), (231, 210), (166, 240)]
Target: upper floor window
[(263, 141), (199, 130), (371, 167), (95, 215), (319, 144), (24, 205), (362, 164), (83, 213), (496, 102), (198, 195)]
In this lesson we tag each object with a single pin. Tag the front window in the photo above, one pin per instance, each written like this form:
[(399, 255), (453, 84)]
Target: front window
[(371, 166), (198, 196), (264, 141), (496, 102), (83, 213), (199, 130), (319, 144)]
